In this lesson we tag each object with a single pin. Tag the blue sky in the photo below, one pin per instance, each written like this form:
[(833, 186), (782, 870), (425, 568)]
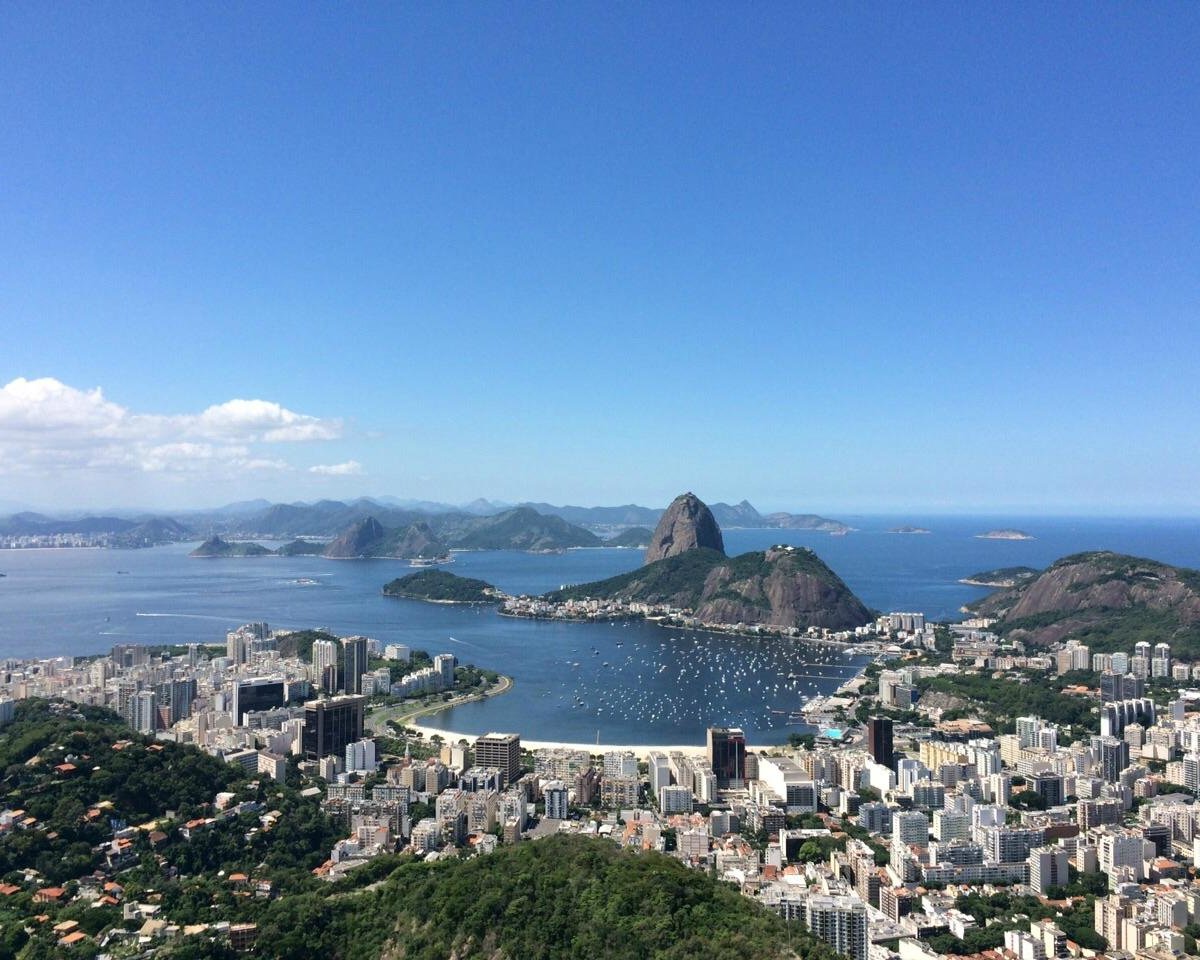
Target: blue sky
[(933, 257)]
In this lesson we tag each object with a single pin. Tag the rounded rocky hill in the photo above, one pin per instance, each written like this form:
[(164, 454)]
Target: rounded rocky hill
[(1108, 599), (780, 587), (687, 524)]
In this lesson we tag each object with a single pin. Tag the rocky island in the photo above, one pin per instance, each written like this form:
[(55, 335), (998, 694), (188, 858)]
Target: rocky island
[(301, 548), (908, 529), (1005, 535), (216, 547)]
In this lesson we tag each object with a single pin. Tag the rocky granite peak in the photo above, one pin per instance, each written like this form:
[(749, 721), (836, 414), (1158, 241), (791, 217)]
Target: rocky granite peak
[(358, 540), (687, 524)]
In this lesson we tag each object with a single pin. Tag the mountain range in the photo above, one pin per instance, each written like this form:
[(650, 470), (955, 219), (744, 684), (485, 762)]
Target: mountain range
[(327, 519), (520, 528)]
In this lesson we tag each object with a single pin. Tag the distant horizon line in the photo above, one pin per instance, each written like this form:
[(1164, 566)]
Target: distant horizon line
[(832, 513)]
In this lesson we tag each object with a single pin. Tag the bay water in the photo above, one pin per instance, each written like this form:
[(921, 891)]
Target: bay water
[(616, 683)]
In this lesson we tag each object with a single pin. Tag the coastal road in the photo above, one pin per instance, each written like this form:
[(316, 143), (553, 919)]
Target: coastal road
[(377, 720)]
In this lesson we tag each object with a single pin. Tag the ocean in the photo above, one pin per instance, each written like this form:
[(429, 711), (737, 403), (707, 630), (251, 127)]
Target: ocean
[(575, 682)]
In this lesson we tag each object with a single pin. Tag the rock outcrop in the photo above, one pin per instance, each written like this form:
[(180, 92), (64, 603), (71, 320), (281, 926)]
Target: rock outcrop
[(360, 540), (687, 524), (416, 541), (370, 538), (1113, 599), (780, 587)]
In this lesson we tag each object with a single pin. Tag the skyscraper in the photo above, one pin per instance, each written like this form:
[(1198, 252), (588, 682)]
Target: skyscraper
[(354, 665), (325, 664), (444, 664), (1113, 757), (502, 751), (879, 741), (332, 723), (555, 793), (727, 756), (260, 693), (144, 711)]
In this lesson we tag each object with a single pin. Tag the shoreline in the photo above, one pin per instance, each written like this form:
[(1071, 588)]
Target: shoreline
[(641, 750), (503, 685), (718, 629)]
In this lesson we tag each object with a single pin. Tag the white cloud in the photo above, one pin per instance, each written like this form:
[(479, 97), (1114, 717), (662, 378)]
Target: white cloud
[(47, 426), (262, 420), (351, 468), (46, 404)]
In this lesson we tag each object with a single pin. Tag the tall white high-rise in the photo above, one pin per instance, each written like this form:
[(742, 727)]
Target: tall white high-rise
[(143, 711), (325, 663), (444, 664), (1047, 868), (841, 922), (360, 757)]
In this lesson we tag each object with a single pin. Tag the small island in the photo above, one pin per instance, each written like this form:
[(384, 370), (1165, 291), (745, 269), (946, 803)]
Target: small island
[(216, 547), (438, 586), (908, 529), (1005, 535), (301, 548), (1002, 578)]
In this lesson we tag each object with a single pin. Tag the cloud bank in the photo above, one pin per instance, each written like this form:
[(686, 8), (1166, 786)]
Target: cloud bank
[(47, 426)]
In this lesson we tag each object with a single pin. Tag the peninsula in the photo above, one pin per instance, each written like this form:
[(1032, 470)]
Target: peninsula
[(688, 574), (1000, 578), (635, 538)]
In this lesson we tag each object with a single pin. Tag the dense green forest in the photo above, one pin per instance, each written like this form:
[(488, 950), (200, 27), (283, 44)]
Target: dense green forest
[(299, 643), (441, 586), (679, 578), (564, 896), (87, 778), (1002, 700)]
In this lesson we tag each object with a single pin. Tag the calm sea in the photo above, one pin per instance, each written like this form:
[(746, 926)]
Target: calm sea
[(576, 682)]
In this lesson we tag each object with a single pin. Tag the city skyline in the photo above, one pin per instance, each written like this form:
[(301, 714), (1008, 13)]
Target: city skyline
[(851, 260)]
